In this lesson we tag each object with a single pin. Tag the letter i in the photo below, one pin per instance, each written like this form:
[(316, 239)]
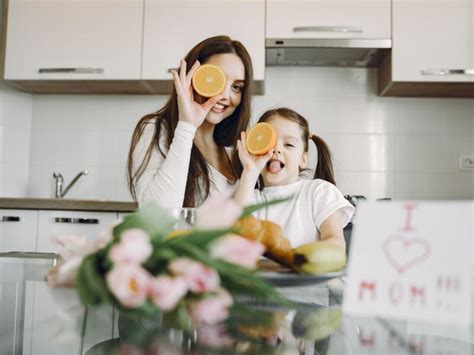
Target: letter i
[(409, 208)]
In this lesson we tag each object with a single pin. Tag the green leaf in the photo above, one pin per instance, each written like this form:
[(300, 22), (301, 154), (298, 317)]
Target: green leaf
[(193, 252), (199, 237), (91, 284), (178, 318), (243, 314), (85, 294), (137, 328), (158, 260), (146, 310), (240, 280), (151, 218), (234, 278), (258, 206)]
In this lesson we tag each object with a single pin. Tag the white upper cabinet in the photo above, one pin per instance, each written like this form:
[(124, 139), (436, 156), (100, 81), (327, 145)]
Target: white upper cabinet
[(433, 40), (74, 39), (173, 27), (328, 19)]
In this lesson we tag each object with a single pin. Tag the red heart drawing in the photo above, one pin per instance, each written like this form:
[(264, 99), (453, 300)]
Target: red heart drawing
[(403, 253)]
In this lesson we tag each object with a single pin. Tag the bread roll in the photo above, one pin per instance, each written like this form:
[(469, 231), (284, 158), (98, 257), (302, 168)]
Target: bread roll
[(277, 247)]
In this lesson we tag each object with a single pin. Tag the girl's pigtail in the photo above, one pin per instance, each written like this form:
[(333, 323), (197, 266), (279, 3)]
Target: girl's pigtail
[(324, 169)]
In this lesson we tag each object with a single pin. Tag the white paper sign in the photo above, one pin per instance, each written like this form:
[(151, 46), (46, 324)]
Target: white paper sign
[(412, 260)]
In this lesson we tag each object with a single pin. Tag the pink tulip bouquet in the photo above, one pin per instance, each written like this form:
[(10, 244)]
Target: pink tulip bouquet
[(193, 279)]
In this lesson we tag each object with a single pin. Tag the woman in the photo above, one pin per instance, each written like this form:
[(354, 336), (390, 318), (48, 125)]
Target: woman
[(178, 154)]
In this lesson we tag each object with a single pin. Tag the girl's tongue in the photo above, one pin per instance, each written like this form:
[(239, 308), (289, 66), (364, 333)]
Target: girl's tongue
[(274, 166)]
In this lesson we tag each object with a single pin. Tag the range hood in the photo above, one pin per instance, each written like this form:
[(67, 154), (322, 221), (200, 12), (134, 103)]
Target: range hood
[(326, 52)]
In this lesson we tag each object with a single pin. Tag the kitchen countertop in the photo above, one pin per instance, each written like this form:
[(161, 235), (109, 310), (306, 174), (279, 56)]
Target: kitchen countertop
[(67, 204)]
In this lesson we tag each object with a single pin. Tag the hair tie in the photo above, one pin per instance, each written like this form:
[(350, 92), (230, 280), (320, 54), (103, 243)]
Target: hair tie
[(311, 136)]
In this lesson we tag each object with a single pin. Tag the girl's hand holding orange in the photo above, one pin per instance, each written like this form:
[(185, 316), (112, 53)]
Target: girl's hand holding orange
[(250, 162), (189, 110)]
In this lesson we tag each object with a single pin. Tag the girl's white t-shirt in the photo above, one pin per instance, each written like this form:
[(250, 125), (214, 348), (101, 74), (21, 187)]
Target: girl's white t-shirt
[(301, 217), (164, 180)]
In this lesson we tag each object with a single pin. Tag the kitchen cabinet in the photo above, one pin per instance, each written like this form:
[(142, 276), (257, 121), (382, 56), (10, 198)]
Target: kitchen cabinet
[(40, 299), (118, 46), (27, 224), (355, 19), (73, 40), (18, 230), (52, 223), (122, 215), (63, 46), (173, 27), (433, 49)]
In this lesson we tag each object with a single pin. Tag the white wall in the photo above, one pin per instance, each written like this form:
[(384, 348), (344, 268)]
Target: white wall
[(16, 110), (383, 147)]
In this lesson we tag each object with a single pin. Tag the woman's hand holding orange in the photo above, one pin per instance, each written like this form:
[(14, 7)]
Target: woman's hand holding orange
[(189, 110)]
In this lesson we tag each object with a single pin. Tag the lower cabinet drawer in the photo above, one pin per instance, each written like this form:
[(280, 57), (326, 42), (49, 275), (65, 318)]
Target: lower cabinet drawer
[(54, 223), (18, 230)]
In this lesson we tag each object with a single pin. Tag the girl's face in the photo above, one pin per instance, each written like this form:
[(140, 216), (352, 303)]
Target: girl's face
[(234, 69), (289, 155)]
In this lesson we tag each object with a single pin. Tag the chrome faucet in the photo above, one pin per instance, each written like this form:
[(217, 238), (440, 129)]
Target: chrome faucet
[(59, 183)]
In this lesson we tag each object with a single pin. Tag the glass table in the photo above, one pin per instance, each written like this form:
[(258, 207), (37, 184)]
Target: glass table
[(35, 319)]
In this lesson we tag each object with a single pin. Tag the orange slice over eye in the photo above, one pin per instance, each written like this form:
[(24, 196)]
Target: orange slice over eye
[(261, 138), (209, 80)]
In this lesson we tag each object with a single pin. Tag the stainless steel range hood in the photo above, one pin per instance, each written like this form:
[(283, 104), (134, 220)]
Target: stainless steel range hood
[(326, 52)]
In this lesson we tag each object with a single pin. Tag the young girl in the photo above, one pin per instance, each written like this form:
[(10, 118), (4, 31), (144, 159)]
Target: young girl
[(178, 155), (317, 210)]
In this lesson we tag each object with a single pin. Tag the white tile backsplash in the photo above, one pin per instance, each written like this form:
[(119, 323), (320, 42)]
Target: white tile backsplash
[(373, 185), (404, 148), (371, 152), (434, 116), (14, 179), (16, 110), (434, 186), (431, 153)]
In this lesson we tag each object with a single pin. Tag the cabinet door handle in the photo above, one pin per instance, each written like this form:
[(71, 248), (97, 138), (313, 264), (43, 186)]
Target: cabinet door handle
[(447, 72), (10, 219), (71, 70), (76, 220), (338, 29), (171, 69)]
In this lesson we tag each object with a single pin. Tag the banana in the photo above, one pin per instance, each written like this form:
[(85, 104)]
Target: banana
[(319, 257)]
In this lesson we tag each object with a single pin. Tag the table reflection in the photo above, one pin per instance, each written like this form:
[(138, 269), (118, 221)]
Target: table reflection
[(36, 319)]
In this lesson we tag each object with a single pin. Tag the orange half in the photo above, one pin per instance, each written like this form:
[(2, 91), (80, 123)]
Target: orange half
[(261, 138), (209, 80)]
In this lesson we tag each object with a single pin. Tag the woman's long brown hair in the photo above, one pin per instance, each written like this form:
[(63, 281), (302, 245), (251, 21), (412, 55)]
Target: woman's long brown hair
[(324, 169), (226, 132)]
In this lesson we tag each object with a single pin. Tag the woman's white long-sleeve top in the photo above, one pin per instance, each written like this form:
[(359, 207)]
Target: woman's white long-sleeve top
[(164, 179)]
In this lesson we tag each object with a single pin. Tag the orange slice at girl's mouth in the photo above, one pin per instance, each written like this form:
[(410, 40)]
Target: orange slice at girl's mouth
[(209, 80), (261, 138)]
